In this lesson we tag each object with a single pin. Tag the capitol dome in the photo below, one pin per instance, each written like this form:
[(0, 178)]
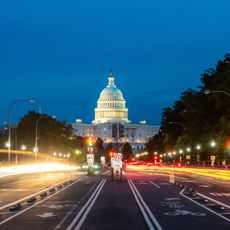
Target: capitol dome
[(111, 105)]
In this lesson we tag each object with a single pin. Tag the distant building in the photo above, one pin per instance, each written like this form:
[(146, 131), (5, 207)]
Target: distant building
[(111, 121)]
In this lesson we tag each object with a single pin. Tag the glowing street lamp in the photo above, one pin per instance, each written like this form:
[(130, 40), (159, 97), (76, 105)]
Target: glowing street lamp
[(23, 147), (188, 149), (180, 151), (213, 143), (198, 147), (9, 122), (77, 152), (7, 144)]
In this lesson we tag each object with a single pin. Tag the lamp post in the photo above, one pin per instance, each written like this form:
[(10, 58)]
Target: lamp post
[(177, 123), (216, 91), (9, 122), (36, 136)]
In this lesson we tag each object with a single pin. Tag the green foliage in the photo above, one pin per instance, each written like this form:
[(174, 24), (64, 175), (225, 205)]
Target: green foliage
[(52, 136), (205, 117), (127, 151), (99, 149)]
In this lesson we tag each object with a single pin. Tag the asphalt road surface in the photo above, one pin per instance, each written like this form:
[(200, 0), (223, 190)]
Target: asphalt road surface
[(142, 200)]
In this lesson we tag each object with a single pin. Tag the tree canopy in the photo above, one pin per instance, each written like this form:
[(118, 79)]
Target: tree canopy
[(198, 117)]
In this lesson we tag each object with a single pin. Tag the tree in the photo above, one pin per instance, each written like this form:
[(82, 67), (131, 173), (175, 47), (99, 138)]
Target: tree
[(108, 150), (127, 151), (205, 117), (99, 149)]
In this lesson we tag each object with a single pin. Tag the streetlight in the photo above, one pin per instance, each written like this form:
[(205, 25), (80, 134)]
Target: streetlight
[(177, 123), (36, 136), (188, 149), (9, 121), (216, 91), (198, 147), (23, 147), (213, 143)]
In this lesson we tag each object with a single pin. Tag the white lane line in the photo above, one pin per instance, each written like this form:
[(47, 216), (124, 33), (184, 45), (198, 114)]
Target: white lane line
[(87, 204), (141, 208), (27, 197), (154, 184), (105, 173), (210, 210), (89, 208), (216, 201), (146, 207), (24, 210), (75, 206)]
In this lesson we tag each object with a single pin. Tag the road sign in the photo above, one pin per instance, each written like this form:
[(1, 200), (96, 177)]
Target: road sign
[(116, 163), (90, 159), (102, 160), (117, 156)]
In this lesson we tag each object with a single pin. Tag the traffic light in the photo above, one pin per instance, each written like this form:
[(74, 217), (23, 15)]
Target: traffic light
[(90, 144)]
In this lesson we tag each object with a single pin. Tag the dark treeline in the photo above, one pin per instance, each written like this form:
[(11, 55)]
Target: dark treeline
[(197, 118)]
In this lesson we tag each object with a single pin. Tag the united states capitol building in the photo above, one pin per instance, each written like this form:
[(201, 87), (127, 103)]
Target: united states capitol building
[(111, 121)]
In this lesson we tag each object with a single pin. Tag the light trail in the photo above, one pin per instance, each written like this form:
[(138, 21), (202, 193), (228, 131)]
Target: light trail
[(35, 168), (209, 172)]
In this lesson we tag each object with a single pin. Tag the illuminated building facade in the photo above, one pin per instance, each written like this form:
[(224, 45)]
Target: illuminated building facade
[(111, 121)]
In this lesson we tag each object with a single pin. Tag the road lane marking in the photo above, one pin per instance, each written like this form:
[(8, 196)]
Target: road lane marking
[(144, 208), (105, 173), (87, 207), (27, 197), (210, 210), (141, 208), (219, 194), (205, 186), (47, 215), (213, 200), (30, 207), (180, 212), (154, 184), (74, 207)]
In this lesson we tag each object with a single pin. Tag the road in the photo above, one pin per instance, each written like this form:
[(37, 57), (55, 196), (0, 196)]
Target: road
[(144, 199)]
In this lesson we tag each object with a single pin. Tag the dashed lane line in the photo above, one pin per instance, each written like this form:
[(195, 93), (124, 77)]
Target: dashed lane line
[(154, 184)]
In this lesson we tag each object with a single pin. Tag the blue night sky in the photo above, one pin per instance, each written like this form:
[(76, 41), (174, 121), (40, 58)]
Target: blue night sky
[(60, 53)]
